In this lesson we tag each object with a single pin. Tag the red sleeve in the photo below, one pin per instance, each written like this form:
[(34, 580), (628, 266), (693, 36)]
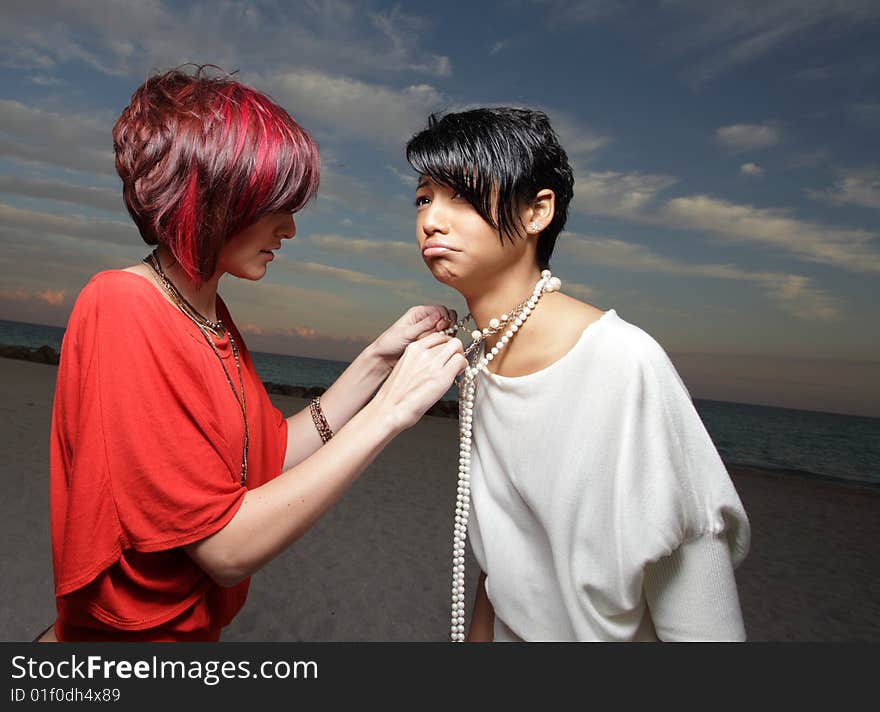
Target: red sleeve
[(138, 459)]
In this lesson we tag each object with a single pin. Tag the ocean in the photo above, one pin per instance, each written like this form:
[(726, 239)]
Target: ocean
[(830, 445)]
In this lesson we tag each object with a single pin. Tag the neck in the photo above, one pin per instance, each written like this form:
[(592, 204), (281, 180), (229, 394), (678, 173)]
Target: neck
[(204, 297), (501, 293)]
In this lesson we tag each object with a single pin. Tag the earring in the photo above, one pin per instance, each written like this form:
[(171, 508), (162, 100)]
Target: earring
[(534, 227)]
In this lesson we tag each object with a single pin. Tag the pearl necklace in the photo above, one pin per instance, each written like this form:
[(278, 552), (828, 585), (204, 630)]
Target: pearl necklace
[(510, 323)]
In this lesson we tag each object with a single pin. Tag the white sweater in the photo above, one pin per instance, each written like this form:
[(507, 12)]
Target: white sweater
[(601, 509)]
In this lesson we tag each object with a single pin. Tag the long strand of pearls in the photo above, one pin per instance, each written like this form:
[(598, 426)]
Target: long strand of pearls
[(467, 387)]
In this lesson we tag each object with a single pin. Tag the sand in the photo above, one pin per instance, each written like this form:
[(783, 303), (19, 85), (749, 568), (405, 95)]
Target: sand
[(376, 567)]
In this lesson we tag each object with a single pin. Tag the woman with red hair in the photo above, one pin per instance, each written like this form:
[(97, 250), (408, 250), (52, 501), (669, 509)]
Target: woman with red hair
[(172, 476)]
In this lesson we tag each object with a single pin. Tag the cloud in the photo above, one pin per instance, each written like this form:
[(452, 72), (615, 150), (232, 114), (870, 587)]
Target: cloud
[(568, 13), (715, 36), (789, 292), (303, 332), (579, 140), (74, 141), (94, 229), (103, 198), (132, 37), (751, 169), (405, 254), (805, 302), (45, 80), (408, 179), (53, 297), (847, 249), (866, 112), (401, 28), (291, 303), (635, 197), (420, 289), (859, 189), (809, 159), (497, 47), (747, 137), (339, 274), (623, 195), (582, 291), (819, 73), (347, 191), (355, 108)]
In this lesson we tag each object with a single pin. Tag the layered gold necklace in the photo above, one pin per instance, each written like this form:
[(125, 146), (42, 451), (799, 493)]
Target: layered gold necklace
[(207, 329)]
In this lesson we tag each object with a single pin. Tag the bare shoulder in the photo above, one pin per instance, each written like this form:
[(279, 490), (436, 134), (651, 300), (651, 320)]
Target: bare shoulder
[(557, 325)]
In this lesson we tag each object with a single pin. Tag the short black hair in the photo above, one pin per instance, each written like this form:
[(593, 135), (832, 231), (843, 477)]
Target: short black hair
[(497, 157)]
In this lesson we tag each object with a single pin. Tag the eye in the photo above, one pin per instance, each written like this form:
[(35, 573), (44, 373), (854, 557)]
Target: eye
[(421, 200), (457, 196)]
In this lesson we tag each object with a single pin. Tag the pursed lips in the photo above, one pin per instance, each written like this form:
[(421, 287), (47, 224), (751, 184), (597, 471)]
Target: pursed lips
[(433, 248)]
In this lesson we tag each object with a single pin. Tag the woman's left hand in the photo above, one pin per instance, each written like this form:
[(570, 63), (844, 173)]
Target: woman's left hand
[(416, 323)]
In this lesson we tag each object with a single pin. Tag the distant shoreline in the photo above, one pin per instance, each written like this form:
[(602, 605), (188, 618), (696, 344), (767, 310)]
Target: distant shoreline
[(49, 356), (442, 409)]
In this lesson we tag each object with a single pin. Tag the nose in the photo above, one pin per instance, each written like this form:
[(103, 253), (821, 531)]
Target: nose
[(433, 219), (288, 228)]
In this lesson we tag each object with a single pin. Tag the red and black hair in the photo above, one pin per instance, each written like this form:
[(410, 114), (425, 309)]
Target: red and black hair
[(202, 157)]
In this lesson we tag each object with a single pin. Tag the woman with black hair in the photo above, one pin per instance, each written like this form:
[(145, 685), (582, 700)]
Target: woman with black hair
[(597, 505)]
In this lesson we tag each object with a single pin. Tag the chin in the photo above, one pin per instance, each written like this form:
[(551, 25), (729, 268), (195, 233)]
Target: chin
[(253, 274), (443, 275)]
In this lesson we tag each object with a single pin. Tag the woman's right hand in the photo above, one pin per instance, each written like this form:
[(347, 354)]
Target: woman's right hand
[(421, 377)]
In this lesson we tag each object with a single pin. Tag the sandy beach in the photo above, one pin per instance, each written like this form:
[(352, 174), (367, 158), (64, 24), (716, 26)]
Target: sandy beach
[(377, 566)]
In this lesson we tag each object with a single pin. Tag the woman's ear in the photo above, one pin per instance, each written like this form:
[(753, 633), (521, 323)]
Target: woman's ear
[(540, 213)]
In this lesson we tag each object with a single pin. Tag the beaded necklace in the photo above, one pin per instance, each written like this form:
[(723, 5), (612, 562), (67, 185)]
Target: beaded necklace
[(208, 327), (479, 361)]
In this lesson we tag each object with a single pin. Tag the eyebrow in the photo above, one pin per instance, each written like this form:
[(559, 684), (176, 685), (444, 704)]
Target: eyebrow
[(422, 183)]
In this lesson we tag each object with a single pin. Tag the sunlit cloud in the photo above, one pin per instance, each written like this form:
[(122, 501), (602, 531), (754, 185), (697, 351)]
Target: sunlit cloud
[(355, 108), (747, 137), (852, 250), (861, 189), (616, 194), (303, 332), (54, 297), (789, 292), (582, 291), (751, 169)]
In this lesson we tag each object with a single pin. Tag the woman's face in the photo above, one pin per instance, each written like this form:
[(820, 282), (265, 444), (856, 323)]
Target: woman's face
[(458, 246), (248, 252)]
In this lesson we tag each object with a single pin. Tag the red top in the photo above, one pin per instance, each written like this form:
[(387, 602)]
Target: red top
[(145, 457)]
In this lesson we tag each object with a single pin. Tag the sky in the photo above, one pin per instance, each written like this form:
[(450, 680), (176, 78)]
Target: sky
[(727, 170)]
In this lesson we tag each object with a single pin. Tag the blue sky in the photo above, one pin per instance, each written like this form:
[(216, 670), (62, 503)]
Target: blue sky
[(727, 172)]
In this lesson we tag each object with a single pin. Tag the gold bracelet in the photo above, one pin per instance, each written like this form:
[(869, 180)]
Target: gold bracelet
[(320, 421)]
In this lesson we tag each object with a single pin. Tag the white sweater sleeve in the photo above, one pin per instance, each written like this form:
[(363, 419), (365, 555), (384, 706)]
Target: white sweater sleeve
[(691, 593)]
